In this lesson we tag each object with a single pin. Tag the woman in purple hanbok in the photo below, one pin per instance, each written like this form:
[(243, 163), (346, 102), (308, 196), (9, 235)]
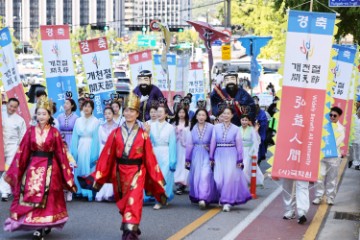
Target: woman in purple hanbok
[(227, 158), (67, 120), (201, 177)]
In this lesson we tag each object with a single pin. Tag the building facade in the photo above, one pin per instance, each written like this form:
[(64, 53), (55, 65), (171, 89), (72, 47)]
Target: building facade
[(24, 16)]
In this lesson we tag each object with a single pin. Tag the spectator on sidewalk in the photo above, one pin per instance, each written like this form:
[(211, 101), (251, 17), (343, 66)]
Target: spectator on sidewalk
[(329, 167)]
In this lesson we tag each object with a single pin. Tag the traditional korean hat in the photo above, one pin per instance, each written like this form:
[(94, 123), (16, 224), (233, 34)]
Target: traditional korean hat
[(231, 73), (145, 73), (133, 102), (44, 102)]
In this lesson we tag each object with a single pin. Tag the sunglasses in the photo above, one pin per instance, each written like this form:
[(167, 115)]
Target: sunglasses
[(333, 115)]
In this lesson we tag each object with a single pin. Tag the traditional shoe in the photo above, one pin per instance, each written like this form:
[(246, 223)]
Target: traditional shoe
[(357, 167), (38, 235), (226, 208), (350, 163), (317, 201), (330, 201), (302, 219), (289, 215), (47, 231), (202, 205), (157, 206)]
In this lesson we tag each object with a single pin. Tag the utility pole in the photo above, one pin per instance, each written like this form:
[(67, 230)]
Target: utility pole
[(228, 17)]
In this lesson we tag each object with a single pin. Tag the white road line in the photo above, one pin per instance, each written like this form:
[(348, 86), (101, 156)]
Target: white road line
[(252, 216)]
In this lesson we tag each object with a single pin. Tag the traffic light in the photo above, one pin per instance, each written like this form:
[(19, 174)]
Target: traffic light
[(136, 28), (100, 27), (176, 29)]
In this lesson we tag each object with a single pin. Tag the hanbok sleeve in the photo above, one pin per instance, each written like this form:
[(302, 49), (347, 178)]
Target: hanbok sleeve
[(263, 125), (63, 161), (95, 147), (20, 162), (75, 141), (239, 147), (212, 145), (172, 150), (189, 146)]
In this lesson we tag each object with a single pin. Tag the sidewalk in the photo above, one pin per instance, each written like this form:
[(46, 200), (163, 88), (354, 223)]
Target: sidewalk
[(347, 201)]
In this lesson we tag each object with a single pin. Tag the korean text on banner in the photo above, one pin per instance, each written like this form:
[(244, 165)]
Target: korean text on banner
[(342, 74), (195, 84), (58, 64), (307, 57), (139, 61), (10, 74), (160, 76), (182, 66), (97, 63)]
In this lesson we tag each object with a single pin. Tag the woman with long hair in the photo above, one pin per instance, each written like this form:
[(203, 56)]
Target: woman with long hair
[(201, 179), (226, 155), (85, 145), (106, 192), (181, 124), (37, 176), (163, 137), (67, 119)]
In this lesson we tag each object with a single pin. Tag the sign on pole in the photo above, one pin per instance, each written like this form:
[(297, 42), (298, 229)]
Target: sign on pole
[(58, 64), (2, 154), (139, 61), (301, 115), (226, 52), (10, 74), (160, 77), (96, 57), (344, 3), (196, 82), (146, 41)]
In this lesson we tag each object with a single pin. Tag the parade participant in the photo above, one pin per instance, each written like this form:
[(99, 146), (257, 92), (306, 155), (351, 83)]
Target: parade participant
[(163, 137), (250, 140), (354, 158), (147, 93), (37, 176), (14, 128), (68, 118), (33, 98), (153, 114), (177, 102), (181, 125), (128, 162), (85, 144), (232, 92), (185, 102), (106, 192), (201, 178), (262, 120), (329, 167), (227, 158), (116, 106)]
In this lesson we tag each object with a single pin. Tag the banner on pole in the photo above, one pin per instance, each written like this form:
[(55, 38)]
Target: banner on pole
[(159, 75), (196, 81), (140, 61), (2, 153), (96, 58), (58, 64), (342, 74), (306, 66), (10, 74), (182, 66)]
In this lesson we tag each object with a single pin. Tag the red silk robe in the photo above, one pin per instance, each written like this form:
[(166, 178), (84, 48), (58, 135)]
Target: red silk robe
[(37, 182), (129, 181)]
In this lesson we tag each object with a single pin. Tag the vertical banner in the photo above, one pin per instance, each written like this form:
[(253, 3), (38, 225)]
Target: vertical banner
[(182, 66), (306, 66), (2, 153), (96, 58), (342, 73), (58, 64), (140, 61), (196, 82), (160, 76), (10, 74)]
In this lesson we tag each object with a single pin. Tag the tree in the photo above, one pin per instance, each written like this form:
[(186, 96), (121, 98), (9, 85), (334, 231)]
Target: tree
[(350, 17), (260, 18)]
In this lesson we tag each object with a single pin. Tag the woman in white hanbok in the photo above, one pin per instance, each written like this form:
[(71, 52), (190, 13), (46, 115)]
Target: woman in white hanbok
[(251, 142), (85, 146), (163, 138), (117, 108), (106, 193)]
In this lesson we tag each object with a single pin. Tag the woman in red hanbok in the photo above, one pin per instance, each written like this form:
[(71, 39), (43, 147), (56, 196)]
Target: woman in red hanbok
[(128, 162), (37, 176)]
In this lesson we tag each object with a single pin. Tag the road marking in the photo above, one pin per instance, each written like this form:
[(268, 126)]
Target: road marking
[(321, 213), (195, 224), (252, 216)]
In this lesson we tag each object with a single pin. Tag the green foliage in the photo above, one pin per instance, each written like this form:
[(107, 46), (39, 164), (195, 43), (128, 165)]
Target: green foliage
[(350, 17), (260, 18), (189, 35)]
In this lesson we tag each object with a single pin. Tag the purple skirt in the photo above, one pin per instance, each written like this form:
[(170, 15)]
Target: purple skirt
[(230, 180)]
